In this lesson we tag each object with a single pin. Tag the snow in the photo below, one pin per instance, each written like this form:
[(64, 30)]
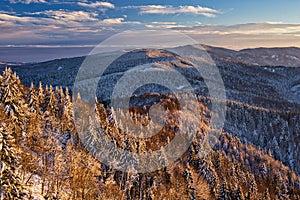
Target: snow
[(294, 57), (149, 69), (181, 87)]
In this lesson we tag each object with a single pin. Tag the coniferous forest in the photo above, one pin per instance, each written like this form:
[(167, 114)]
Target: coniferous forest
[(42, 156)]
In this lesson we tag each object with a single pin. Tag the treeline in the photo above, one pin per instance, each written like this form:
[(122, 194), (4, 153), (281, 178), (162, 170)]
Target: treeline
[(42, 156)]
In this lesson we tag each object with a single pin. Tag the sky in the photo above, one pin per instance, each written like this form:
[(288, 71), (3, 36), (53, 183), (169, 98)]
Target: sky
[(232, 24)]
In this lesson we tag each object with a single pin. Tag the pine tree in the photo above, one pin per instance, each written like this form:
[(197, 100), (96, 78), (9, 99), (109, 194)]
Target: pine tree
[(10, 183), (52, 104), (283, 193), (92, 139), (41, 95), (68, 112), (189, 179), (252, 187), (276, 184), (266, 195), (238, 195), (224, 193), (60, 95), (197, 187), (12, 99), (32, 100), (83, 170)]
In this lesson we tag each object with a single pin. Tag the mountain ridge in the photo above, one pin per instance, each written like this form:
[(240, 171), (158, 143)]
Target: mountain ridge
[(227, 53), (280, 83)]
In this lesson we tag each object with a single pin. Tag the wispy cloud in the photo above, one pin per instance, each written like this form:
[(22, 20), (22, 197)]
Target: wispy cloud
[(6, 18), (97, 4), (57, 25), (71, 15), (250, 28), (69, 27), (266, 34), (168, 9), (27, 1), (113, 21), (164, 25)]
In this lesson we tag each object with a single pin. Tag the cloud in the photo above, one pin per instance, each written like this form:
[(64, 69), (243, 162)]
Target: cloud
[(10, 18), (160, 9), (71, 15), (57, 26), (82, 27), (164, 25), (242, 41), (113, 21), (251, 35), (250, 28), (97, 4), (117, 22), (27, 1)]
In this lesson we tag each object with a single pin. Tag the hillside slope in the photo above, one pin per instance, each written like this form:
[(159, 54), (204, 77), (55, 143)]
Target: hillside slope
[(53, 163), (263, 102)]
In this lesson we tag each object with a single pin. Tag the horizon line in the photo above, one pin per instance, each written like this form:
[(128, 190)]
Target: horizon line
[(93, 46)]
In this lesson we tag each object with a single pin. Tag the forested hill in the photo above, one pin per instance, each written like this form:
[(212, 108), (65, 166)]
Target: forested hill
[(269, 85), (42, 156), (256, 156)]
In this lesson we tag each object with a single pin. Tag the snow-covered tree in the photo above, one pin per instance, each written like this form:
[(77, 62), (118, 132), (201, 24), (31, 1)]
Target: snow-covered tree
[(10, 183), (224, 192), (238, 195), (12, 98)]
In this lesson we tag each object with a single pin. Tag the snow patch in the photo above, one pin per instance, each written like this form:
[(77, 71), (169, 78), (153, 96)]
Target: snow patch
[(294, 57), (180, 87)]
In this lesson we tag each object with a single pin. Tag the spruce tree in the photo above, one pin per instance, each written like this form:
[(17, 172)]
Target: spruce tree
[(224, 192), (238, 195), (189, 181), (266, 195), (252, 187), (32, 100), (41, 95), (68, 112), (12, 98), (10, 183), (52, 103)]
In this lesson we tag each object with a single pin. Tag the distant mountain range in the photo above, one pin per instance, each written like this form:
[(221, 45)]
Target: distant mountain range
[(268, 78), (289, 56), (7, 64)]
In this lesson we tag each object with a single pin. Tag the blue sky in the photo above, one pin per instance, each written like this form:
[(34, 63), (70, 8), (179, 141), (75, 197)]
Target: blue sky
[(233, 23)]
